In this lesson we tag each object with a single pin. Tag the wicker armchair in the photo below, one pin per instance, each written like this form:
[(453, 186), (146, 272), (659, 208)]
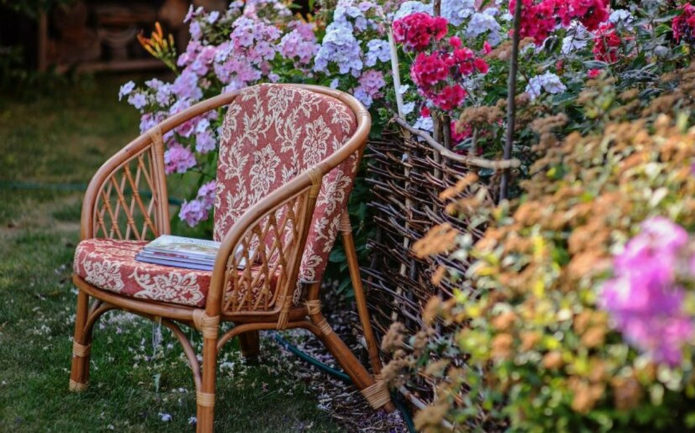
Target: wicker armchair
[(287, 162)]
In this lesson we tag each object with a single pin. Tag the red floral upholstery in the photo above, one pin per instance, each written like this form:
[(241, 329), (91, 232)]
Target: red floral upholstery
[(272, 133), (110, 265)]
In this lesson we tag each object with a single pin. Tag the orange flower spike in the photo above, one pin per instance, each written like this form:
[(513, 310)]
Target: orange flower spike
[(158, 33), (142, 39)]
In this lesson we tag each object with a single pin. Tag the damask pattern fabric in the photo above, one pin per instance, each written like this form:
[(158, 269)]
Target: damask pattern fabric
[(110, 265), (271, 134)]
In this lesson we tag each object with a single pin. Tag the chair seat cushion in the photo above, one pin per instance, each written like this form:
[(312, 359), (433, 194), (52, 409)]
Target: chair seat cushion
[(110, 264)]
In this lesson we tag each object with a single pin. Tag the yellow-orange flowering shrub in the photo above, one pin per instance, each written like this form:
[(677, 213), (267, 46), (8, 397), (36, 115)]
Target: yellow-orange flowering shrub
[(524, 345)]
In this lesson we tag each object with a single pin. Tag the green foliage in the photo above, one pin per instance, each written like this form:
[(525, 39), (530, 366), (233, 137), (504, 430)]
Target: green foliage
[(539, 352), (523, 345)]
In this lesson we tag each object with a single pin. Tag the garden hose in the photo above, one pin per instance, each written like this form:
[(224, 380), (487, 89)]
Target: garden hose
[(80, 187), (405, 413)]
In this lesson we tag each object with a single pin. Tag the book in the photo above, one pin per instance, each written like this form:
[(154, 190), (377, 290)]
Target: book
[(181, 252), (180, 246)]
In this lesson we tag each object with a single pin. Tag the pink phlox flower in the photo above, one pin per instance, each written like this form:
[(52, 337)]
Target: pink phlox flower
[(206, 194), (193, 212), (644, 299), (178, 159)]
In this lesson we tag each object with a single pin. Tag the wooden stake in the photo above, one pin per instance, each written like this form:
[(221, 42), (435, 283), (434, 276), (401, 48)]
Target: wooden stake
[(511, 101)]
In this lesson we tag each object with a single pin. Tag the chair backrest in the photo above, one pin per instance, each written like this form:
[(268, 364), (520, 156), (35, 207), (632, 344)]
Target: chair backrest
[(272, 133)]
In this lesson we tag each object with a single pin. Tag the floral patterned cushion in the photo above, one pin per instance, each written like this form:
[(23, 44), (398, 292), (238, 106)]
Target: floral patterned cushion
[(272, 133), (110, 265)]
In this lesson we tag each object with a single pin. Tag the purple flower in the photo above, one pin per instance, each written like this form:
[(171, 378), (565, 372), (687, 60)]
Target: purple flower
[(137, 100), (204, 142), (363, 97), (371, 82), (125, 89), (212, 17), (664, 234), (193, 212), (379, 50), (147, 121), (299, 45), (178, 159), (339, 46), (190, 54), (186, 86), (192, 13), (206, 194), (195, 30), (644, 299)]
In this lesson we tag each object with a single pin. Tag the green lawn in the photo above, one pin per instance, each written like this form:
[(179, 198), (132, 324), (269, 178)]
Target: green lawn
[(135, 381)]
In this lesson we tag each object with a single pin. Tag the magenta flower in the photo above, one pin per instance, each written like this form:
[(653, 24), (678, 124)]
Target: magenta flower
[(644, 298)]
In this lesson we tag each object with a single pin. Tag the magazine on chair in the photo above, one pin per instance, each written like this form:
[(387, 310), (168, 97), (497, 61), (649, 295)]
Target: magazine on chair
[(181, 252)]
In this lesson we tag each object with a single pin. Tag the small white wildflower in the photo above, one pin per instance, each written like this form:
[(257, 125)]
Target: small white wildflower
[(408, 108), (424, 123), (549, 82), (192, 420), (577, 38), (164, 416)]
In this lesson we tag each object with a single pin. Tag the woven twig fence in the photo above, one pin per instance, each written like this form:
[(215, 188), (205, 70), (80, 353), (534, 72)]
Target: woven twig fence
[(407, 172)]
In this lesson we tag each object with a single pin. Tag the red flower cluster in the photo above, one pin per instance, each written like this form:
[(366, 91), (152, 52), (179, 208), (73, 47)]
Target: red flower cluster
[(683, 25), (606, 43), (433, 74), (591, 13), (417, 30), (460, 131), (437, 73), (538, 18)]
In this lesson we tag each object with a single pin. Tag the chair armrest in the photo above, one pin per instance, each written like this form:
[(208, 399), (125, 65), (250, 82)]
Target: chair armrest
[(258, 263), (127, 196), (103, 211)]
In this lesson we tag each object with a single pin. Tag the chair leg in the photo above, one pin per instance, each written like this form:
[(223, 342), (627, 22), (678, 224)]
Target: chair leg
[(250, 346), (205, 397), (375, 392), (79, 372), (360, 297)]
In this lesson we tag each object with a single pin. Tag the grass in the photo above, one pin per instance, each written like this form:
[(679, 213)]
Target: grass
[(136, 380)]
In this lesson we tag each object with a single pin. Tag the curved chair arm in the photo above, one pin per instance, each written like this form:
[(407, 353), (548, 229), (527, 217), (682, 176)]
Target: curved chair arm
[(113, 206), (259, 258), (127, 197)]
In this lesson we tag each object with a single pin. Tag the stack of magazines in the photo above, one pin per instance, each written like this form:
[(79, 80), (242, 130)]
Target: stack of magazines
[(180, 252)]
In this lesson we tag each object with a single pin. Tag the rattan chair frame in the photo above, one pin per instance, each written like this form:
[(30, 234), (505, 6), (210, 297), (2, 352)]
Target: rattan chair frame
[(277, 313)]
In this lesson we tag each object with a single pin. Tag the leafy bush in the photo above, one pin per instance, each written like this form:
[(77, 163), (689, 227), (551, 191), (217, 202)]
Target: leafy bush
[(578, 313)]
